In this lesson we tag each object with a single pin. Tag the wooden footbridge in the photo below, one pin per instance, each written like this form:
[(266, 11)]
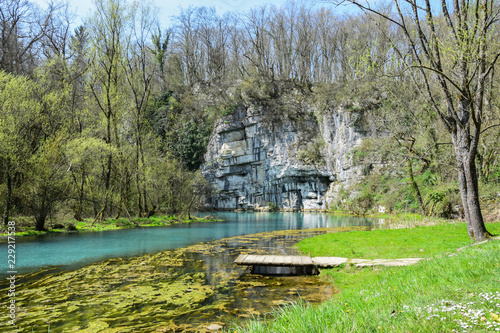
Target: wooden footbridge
[(305, 265), (278, 265)]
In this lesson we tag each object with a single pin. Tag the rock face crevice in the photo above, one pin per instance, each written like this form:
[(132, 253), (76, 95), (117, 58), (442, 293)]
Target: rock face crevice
[(256, 163)]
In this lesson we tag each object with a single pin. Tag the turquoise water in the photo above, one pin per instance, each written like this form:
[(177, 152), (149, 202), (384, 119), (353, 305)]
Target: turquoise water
[(63, 250)]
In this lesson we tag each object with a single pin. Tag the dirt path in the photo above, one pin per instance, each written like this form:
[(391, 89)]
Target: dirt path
[(337, 261)]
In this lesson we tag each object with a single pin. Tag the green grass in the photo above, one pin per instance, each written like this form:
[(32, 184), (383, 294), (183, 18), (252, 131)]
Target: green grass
[(399, 216), (419, 242), (26, 229), (449, 292)]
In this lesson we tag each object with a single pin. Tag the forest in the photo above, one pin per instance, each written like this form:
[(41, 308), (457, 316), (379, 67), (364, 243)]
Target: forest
[(112, 118)]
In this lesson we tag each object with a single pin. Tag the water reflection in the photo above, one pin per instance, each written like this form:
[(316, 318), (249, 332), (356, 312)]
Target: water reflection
[(85, 248), (186, 289)]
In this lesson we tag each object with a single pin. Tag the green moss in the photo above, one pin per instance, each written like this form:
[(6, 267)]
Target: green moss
[(183, 289)]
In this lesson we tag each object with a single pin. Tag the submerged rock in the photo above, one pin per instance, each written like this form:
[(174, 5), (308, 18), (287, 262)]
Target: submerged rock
[(214, 327)]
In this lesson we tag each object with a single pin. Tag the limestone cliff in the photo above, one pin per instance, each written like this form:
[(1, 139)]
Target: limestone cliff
[(295, 164)]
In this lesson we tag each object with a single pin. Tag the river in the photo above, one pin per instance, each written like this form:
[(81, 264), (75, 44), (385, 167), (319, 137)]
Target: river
[(87, 247), (166, 279)]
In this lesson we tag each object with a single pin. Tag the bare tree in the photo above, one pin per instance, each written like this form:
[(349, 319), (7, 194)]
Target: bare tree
[(22, 26), (258, 48), (450, 44), (188, 44), (107, 39), (141, 66)]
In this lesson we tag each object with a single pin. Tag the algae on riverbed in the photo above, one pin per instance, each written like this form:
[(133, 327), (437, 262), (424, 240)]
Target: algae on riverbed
[(186, 289)]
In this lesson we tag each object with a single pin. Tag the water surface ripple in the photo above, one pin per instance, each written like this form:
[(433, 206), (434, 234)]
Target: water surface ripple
[(87, 247)]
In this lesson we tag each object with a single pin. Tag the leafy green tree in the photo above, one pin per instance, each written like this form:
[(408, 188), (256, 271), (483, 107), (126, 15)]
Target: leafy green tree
[(46, 182), (107, 34), (141, 65), (20, 130), (184, 130), (32, 145), (160, 51)]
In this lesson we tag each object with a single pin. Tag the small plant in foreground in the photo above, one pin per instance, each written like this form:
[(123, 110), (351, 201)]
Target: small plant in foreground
[(479, 314)]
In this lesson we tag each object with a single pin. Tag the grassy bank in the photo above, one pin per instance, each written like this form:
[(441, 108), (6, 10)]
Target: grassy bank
[(452, 290), (418, 242), (25, 227)]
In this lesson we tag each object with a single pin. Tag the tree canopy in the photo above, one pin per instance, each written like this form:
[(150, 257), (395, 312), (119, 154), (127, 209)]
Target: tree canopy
[(113, 117)]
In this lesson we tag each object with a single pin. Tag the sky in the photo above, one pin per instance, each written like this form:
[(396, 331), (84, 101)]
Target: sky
[(169, 8)]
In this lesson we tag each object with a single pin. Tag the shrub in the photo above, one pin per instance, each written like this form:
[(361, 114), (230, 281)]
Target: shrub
[(273, 207)]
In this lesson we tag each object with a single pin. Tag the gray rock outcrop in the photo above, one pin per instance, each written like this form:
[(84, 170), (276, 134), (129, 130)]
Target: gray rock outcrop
[(255, 162)]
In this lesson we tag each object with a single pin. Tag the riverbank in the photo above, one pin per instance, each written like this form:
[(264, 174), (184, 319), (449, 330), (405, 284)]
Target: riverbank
[(453, 290), (24, 227)]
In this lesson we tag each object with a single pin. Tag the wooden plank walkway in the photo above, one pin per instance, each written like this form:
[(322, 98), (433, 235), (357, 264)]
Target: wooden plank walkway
[(278, 265), (270, 260), (306, 261)]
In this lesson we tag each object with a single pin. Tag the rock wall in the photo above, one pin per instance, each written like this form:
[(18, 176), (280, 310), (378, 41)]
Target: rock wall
[(343, 131), (253, 161)]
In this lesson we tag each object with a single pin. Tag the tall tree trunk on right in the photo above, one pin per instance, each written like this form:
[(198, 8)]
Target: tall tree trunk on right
[(465, 154)]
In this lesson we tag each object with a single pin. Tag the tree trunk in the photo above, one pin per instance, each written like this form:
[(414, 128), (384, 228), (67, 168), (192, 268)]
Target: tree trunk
[(79, 209), (8, 198), (41, 216), (107, 177), (40, 223), (139, 199), (151, 212), (414, 185), (99, 217), (144, 190), (465, 155), (476, 222), (138, 183), (462, 186)]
